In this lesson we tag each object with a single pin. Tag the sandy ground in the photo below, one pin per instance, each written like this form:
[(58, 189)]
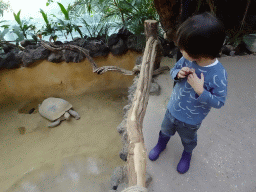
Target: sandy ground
[(78, 155), (224, 159)]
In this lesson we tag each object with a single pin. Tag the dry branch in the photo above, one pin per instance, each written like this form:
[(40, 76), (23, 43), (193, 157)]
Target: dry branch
[(137, 152)]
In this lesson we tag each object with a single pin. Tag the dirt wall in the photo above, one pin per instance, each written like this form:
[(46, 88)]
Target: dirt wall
[(44, 79)]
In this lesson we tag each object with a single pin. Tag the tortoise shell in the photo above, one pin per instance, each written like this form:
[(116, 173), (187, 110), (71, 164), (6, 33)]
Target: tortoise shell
[(53, 108)]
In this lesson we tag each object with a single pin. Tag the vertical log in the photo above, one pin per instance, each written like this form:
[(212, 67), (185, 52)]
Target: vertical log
[(151, 30), (137, 152)]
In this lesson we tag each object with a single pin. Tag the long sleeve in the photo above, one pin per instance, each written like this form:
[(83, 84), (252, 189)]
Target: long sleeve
[(216, 94), (185, 104), (177, 67)]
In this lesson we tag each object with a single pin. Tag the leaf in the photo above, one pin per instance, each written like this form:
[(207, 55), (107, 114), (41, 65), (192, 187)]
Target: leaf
[(78, 30), (44, 16), (64, 11), (34, 37), (17, 31), (17, 18), (3, 33)]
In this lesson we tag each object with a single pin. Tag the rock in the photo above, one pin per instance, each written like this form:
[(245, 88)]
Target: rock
[(126, 109), (79, 41), (123, 154), (27, 42), (241, 49), (8, 48), (72, 56), (58, 43), (10, 60), (118, 176), (167, 47), (226, 49), (55, 57), (138, 60), (124, 151), (121, 128), (136, 42), (154, 89), (119, 48), (148, 179), (113, 40), (124, 33), (32, 55), (96, 48)]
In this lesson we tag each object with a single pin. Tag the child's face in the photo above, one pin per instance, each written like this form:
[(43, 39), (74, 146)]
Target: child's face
[(186, 56)]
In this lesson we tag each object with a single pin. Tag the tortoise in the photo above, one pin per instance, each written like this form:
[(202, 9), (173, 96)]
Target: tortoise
[(57, 110)]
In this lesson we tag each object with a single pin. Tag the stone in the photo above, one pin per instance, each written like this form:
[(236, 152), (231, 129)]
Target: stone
[(55, 57), (138, 60), (113, 40), (72, 56), (97, 48), (136, 42), (126, 109), (123, 154), (11, 60), (119, 48), (118, 176), (124, 33), (8, 48), (121, 128), (166, 47), (32, 55), (27, 42), (154, 89)]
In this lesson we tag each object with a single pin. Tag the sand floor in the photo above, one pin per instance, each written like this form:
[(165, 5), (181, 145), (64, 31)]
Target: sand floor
[(77, 155)]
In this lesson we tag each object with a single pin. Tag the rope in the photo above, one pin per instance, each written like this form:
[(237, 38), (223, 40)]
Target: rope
[(135, 188)]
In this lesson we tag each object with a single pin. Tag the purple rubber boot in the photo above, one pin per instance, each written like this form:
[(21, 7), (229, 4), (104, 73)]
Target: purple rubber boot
[(184, 163), (160, 146)]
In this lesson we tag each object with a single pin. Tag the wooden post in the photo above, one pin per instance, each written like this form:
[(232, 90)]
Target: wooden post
[(137, 152), (151, 30)]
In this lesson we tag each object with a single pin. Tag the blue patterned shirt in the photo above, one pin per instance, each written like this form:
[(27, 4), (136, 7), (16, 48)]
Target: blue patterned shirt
[(185, 104)]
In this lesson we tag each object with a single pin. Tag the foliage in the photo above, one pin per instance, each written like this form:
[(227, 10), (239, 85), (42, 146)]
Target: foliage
[(96, 27), (131, 13), (4, 32), (4, 7), (49, 2), (66, 24), (24, 27), (49, 29)]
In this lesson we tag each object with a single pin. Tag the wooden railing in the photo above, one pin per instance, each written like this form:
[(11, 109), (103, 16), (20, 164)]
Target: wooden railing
[(136, 161)]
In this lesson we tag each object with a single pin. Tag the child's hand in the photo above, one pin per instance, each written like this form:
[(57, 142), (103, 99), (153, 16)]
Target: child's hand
[(196, 83), (185, 71)]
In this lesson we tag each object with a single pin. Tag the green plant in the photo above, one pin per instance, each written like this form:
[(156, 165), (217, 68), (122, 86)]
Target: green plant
[(66, 24), (96, 27), (4, 7), (5, 31), (24, 28), (131, 13), (49, 29)]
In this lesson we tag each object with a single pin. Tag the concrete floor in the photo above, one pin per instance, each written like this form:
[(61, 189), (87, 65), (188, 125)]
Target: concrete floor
[(224, 159)]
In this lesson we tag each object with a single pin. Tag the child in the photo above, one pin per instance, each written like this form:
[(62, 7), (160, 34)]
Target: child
[(201, 84)]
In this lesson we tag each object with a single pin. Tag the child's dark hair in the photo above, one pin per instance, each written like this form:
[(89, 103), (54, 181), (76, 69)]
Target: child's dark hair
[(201, 36)]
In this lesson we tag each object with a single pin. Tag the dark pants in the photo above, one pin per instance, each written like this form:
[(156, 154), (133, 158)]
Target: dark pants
[(187, 132)]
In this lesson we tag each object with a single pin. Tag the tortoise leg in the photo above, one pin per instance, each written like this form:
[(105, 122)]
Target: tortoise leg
[(74, 114), (55, 123), (66, 116)]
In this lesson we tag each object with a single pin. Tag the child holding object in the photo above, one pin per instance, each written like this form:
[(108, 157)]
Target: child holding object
[(201, 84)]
